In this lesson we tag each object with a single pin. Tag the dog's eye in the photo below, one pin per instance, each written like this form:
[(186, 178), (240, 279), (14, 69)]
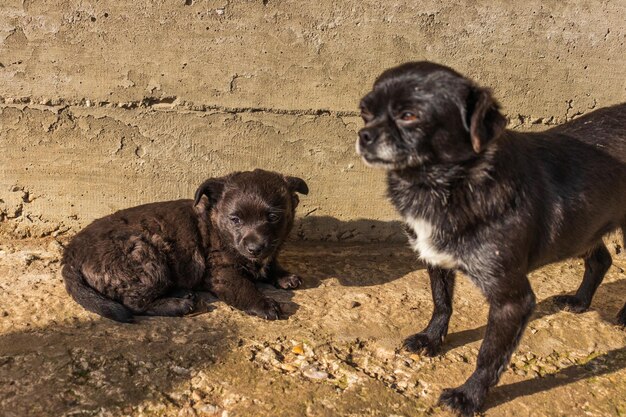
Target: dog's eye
[(235, 220), (366, 116), (408, 116), (273, 217)]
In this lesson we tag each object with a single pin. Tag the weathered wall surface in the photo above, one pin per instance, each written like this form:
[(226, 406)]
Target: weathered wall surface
[(107, 104)]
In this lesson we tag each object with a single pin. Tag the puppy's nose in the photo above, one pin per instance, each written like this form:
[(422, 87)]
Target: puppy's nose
[(255, 248), (366, 137)]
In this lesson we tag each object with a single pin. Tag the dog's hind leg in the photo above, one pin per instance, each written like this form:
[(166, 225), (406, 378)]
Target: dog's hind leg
[(149, 300), (597, 262), (177, 304), (429, 340), (142, 280), (621, 316)]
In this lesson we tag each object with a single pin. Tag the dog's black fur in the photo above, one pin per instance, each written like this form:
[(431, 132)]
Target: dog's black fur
[(148, 260), (492, 203)]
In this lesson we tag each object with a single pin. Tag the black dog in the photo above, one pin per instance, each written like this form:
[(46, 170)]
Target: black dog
[(492, 203), (146, 260)]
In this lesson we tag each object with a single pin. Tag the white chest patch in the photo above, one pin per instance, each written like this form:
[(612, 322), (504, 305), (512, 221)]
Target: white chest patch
[(423, 244)]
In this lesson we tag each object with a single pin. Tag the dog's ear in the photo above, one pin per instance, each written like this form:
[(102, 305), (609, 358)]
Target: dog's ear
[(297, 185), (212, 188), (483, 118)]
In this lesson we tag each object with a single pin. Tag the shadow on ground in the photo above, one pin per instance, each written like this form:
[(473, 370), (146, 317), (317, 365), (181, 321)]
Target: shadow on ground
[(610, 362), (339, 251), (547, 307), (75, 369), (331, 229), (353, 265)]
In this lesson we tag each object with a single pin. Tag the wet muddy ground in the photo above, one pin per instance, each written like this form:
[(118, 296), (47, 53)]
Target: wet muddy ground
[(335, 355)]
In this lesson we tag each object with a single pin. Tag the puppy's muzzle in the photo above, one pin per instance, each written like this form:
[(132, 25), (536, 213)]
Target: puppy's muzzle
[(255, 248)]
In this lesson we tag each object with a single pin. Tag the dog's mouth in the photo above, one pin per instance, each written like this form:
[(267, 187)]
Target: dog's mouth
[(390, 160), (374, 160), (377, 162), (257, 259)]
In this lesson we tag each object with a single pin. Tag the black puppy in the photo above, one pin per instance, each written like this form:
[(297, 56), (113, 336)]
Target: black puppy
[(492, 203), (147, 260)]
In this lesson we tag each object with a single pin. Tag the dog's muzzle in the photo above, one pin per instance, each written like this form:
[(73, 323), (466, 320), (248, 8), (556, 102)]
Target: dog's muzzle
[(375, 148)]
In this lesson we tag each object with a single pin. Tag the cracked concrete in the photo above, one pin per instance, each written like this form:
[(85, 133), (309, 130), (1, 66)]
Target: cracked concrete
[(165, 154), (108, 104)]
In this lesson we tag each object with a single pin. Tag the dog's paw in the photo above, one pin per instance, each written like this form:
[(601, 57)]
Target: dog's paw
[(188, 305), (289, 282), (266, 309), (459, 401), (182, 293), (570, 303), (171, 306), (186, 302), (179, 306), (422, 343)]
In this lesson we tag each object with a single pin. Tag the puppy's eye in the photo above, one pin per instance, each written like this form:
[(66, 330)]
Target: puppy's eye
[(408, 116), (366, 116), (235, 220), (273, 217)]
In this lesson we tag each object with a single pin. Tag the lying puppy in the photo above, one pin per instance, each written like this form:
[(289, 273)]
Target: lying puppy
[(492, 203), (147, 260)]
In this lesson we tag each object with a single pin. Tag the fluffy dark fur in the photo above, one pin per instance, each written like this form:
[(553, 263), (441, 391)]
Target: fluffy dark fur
[(492, 203), (148, 260)]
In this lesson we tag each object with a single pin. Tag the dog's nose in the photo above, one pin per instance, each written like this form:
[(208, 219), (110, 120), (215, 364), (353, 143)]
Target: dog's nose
[(366, 137), (255, 248)]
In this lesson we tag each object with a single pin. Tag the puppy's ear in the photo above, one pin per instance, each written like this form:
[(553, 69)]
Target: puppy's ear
[(212, 188), (484, 119), (297, 185)]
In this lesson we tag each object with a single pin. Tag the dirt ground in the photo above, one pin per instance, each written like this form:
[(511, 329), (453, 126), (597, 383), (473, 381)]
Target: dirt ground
[(335, 355)]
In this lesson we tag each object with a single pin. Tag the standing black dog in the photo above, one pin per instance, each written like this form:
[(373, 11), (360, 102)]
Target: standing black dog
[(492, 203), (147, 260)]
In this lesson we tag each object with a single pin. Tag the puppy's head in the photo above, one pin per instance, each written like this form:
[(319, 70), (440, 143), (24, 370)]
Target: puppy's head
[(252, 211), (422, 113)]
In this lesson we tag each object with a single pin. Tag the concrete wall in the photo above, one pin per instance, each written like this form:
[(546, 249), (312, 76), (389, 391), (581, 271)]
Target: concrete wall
[(108, 104)]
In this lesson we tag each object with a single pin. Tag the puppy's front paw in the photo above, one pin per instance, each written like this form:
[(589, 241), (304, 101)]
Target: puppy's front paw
[(422, 343), (458, 400), (288, 282), (570, 303), (182, 293), (267, 309)]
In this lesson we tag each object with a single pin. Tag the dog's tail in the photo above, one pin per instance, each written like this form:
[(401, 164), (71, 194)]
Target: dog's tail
[(90, 299)]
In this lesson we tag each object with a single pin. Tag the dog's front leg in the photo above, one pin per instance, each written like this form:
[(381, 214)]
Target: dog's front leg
[(509, 311), (282, 278), (238, 291), (430, 339)]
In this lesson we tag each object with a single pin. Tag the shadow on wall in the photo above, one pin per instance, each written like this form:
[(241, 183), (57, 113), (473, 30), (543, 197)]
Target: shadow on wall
[(330, 229), (75, 369)]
